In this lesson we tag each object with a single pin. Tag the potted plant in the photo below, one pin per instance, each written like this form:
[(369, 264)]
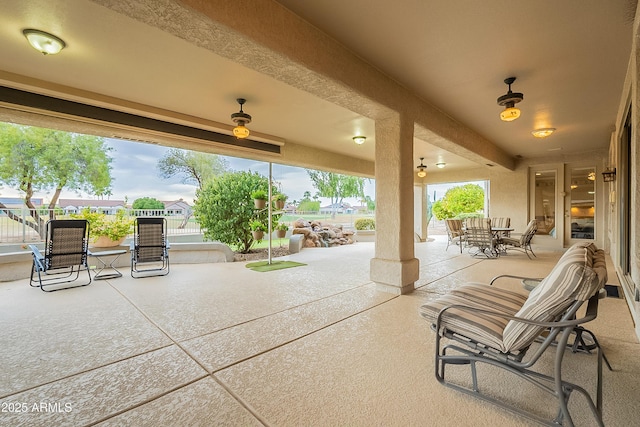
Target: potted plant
[(257, 229), (281, 230), (278, 201), (105, 232), (365, 229), (259, 198)]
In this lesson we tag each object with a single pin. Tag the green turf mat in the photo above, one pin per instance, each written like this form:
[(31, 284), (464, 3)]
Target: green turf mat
[(275, 265)]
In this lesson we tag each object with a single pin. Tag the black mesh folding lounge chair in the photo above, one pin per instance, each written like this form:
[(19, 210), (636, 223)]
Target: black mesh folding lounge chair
[(65, 256), (478, 324), (523, 243), (149, 249), (480, 238)]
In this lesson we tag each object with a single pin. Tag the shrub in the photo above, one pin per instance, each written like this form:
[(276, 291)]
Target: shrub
[(365, 224), (224, 208), (99, 225)]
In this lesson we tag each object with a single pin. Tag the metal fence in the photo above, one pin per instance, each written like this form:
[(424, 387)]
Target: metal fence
[(18, 231)]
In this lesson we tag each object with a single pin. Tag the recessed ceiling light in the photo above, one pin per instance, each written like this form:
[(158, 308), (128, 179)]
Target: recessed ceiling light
[(543, 132)]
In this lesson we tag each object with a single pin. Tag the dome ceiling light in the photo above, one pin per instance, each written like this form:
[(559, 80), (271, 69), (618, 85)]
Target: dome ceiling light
[(359, 139), (422, 169), (43, 42), (241, 119), (509, 100), (543, 133)]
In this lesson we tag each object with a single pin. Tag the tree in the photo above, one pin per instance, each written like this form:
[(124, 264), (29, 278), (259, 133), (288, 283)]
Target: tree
[(35, 159), (194, 167), (468, 198), (336, 186), (147, 203), (224, 207)]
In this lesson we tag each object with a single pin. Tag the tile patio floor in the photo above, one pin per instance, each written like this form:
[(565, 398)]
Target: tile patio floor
[(219, 344)]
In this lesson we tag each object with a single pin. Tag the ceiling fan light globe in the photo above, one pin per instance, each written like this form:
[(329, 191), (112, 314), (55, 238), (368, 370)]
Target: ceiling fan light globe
[(510, 114)]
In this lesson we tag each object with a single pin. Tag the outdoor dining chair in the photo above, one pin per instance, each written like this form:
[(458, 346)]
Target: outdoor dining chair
[(455, 233), (149, 248), (480, 237), (64, 257)]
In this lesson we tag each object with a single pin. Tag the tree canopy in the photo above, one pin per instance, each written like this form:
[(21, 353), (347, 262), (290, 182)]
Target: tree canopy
[(224, 208), (35, 159), (147, 203), (468, 198), (194, 167), (336, 186)]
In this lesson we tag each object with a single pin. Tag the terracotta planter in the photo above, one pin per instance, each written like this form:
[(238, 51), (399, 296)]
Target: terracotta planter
[(105, 242), (281, 233), (259, 203), (278, 204), (257, 235)]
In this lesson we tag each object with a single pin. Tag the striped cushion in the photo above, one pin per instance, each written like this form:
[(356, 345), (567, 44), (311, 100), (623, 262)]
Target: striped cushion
[(478, 327), (492, 297), (572, 279)]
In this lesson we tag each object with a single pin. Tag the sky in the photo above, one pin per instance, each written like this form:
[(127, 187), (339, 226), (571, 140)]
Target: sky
[(135, 175)]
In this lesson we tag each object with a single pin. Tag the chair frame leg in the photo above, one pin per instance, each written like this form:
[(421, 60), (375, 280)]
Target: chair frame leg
[(554, 385)]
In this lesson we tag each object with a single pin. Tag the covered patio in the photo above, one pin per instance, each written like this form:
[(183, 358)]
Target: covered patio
[(219, 344)]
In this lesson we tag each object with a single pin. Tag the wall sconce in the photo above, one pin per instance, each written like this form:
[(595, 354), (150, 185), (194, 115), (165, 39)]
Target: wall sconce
[(240, 119), (609, 175), (422, 169), (359, 139), (43, 42)]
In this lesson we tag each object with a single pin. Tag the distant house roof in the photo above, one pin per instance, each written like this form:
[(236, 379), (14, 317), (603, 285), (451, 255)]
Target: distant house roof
[(176, 204), (63, 203), (18, 201)]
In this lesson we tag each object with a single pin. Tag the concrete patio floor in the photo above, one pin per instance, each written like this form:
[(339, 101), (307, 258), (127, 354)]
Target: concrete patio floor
[(219, 344)]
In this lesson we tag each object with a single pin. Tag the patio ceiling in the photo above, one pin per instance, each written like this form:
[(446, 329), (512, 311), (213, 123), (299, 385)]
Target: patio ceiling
[(569, 57)]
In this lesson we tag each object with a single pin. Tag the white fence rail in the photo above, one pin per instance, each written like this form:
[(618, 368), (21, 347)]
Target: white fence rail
[(12, 231)]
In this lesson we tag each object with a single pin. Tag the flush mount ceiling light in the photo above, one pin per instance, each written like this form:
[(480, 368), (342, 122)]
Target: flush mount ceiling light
[(440, 165), (359, 139), (43, 42), (240, 119), (543, 133), (509, 100), (422, 172)]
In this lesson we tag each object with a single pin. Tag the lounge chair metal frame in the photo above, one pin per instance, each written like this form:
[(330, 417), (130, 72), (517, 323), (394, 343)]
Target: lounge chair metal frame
[(498, 327), (65, 255), (455, 234), (149, 247), (514, 362), (478, 235), (524, 242)]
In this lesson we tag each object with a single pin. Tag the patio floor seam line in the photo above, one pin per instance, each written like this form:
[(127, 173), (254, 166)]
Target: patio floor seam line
[(253, 411), (137, 405), (272, 314), (85, 371), (304, 335), (450, 273), (173, 340)]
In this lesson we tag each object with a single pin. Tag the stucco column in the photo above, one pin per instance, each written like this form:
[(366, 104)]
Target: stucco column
[(394, 268)]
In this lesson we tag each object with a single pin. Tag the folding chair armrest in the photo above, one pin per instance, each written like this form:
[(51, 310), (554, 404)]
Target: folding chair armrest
[(592, 311), (513, 277), (38, 258)]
